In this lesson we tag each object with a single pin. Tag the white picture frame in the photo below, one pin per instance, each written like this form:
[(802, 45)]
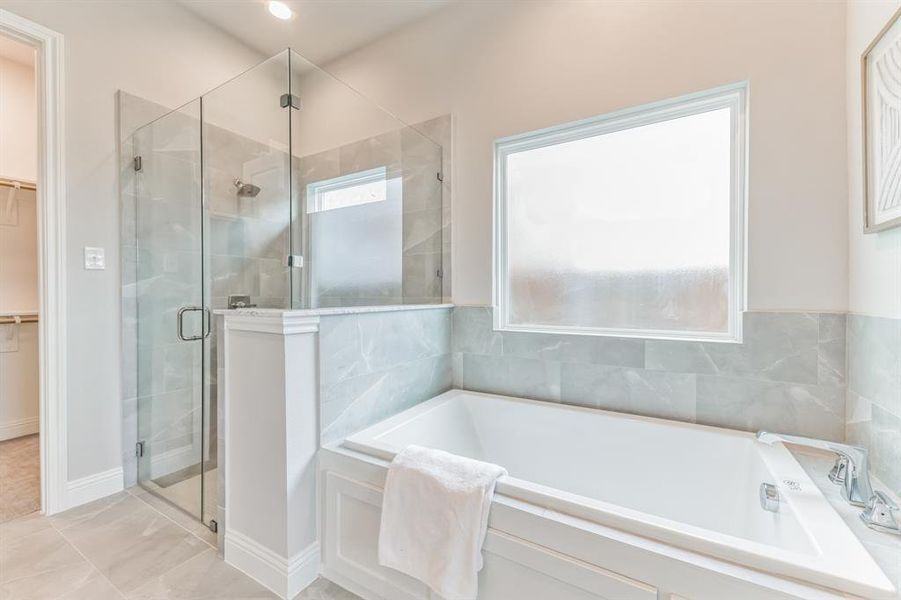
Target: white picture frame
[(880, 66)]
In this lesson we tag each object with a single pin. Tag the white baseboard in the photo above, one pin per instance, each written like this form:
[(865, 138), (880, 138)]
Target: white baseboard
[(93, 487), (285, 577), (18, 428)]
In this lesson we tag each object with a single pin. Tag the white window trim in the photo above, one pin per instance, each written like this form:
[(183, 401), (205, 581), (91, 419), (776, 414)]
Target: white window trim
[(735, 97), (344, 181)]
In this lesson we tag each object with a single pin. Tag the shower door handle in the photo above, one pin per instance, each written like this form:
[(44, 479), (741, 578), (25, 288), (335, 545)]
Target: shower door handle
[(180, 323)]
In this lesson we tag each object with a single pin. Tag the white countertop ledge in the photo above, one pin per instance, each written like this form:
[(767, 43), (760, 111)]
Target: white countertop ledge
[(316, 312)]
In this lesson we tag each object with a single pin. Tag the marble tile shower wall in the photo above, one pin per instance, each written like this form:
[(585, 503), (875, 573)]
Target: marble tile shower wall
[(247, 237), (416, 154), (174, 420), (417, 238), (788, 375), (373, 365), (874, 393)]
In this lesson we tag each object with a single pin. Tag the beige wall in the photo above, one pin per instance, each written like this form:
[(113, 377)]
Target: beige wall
[(158, 51), (875, 259), (18, 121), (502, 68)]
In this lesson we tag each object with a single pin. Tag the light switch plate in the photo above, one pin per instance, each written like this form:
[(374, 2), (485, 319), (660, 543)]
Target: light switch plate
[(94, 259)]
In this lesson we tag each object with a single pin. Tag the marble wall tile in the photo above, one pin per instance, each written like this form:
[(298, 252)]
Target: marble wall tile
[(885, 446), (370, 153), (755, 404), (635, 391), (858, 419), (831, 349), (389, 339), (510, 376), (168, 367), (364, 343), (356, 403), (473, 331), (422, 231), (274, 280), (319, 166), (776, 346), (776, 378), (873, 413), (234, 275), (129, 440), (420, 280), (265, 239), (878, 430), (423, 215), (226, 235), (596, 350), (377, 364), (874, 365)]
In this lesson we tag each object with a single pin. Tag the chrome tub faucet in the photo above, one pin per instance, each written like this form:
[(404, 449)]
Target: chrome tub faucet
[(852, 471)]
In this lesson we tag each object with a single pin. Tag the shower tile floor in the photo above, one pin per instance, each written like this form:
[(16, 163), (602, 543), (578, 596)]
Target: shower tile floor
[(130, 545), (185, 493), (20, 477)]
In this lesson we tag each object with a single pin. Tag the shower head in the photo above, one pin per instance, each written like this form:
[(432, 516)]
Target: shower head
[(246, 190)]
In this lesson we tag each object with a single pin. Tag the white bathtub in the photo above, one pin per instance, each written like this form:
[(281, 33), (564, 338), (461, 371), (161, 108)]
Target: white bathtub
[(604, 505)]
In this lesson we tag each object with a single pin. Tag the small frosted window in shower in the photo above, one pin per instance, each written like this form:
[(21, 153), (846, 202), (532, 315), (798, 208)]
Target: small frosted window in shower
[(348, 190), (627, 224), (356, 239)]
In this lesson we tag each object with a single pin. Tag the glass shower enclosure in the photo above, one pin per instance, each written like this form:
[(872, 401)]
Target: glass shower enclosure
[(282, 188)]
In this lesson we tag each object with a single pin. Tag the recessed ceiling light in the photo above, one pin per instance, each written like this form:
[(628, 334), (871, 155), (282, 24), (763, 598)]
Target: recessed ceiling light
[(280, 10)]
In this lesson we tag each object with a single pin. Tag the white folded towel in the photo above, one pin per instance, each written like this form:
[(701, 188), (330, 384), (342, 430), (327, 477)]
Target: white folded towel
[(435, 517)]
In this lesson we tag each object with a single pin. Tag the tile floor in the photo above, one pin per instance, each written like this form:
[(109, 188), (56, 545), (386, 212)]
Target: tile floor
[(130, 545), (186, 493), (20, 477)]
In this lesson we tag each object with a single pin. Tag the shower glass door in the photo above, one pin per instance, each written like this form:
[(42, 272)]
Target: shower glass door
[(172, 323), (246, 187)]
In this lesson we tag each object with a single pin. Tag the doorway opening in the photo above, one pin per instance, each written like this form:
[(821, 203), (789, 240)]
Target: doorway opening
[(20, 449)]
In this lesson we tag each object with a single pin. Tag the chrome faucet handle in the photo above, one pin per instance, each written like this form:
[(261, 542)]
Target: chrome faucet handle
[(879, 514), (839, 470), (851, 470)]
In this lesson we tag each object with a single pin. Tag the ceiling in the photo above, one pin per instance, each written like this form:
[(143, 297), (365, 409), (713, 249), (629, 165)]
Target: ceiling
[(320, 30), (15, 51)]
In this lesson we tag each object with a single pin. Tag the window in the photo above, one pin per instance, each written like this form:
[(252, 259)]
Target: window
[(348, 190), (355, 238), (627, 224)]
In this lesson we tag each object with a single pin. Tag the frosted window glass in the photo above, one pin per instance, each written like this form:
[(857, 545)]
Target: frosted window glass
[(357, 243), (626, 230), (349, 190)]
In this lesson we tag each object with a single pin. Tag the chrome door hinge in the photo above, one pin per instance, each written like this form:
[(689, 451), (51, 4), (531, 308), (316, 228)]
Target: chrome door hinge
[(295, 261), (138, 163), (439, 273), (139, 449), (440, 176), (214, 526), (291, 100)]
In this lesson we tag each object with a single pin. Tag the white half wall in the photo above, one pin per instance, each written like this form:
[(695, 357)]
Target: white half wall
[(875, 259), (506, 67)]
